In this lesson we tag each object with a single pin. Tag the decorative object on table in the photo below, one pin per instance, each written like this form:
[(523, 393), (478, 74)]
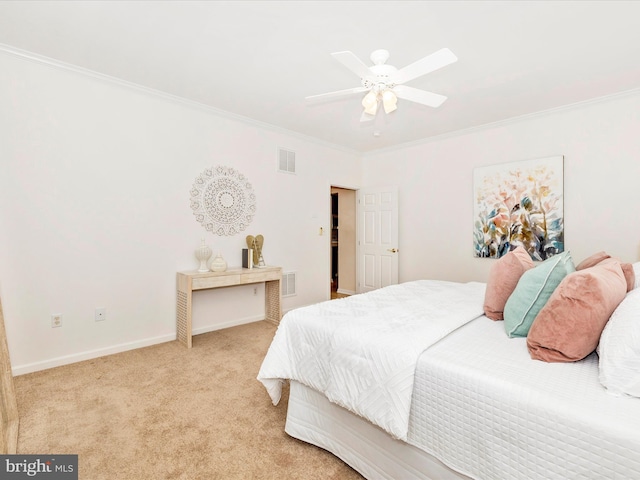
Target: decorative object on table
[(203, 253), (247, 258), (218, 264), (223, 201), (256, 243), (519, 203)]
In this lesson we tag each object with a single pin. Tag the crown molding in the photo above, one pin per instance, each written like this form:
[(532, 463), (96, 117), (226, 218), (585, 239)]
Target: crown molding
[(43, 60), (57, 64), (508, 121)]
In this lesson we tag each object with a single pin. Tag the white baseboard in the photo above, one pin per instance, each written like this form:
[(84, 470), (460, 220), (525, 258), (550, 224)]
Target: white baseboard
[(88, 355), (346, 292), (123, 347)]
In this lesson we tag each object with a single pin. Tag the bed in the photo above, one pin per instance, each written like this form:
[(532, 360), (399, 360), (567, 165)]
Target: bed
[(463, 400)]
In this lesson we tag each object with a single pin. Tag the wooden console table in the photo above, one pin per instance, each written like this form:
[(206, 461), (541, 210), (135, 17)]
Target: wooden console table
[(187, 282)]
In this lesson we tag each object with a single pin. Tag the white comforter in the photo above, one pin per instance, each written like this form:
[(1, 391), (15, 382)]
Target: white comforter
[(361, 351)]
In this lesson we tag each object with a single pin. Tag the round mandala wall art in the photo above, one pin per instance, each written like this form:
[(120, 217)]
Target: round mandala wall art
[(223, 201)]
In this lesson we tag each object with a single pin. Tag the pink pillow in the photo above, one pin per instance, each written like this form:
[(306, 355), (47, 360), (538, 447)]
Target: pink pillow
[(629, 276), (569, 326), (596, 258), (593, 260), (503, 278)]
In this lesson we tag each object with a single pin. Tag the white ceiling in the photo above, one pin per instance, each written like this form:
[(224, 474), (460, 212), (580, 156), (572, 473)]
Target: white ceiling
[(259, 59)]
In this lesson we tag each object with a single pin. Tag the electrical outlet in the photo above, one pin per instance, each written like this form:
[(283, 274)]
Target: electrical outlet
[(101, 314), (255, 291), (56, 320)]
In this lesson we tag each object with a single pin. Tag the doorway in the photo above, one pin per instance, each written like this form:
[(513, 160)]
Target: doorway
[(343, 242)]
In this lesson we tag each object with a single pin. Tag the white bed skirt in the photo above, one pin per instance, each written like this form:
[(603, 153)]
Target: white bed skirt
[(365, 447)]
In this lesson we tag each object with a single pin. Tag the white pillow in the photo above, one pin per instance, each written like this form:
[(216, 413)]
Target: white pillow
[(636, 270), (619, 348)]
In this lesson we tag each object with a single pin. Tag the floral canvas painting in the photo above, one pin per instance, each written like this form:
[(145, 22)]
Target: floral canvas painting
[(519, 203)]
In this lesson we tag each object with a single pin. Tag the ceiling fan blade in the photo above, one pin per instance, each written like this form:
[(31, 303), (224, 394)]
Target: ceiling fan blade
[(439, 59), (337, 94), (419, 96), (353, 63)]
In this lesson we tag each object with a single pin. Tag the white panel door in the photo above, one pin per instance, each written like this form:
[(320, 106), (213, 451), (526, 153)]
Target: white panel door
[(377, 238)]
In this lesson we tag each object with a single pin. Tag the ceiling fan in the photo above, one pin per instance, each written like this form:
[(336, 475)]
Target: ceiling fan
[(385, 83)]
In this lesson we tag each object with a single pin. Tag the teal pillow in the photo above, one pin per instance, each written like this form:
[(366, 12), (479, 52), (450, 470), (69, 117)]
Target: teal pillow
[(532, 292)]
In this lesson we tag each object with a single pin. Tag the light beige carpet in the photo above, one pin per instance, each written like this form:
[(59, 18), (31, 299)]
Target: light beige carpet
[(166, 412)]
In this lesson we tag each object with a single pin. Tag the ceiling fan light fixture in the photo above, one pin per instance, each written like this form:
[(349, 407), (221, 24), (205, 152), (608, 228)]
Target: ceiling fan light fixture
[(370, 103), (389, 101), (371, 109)]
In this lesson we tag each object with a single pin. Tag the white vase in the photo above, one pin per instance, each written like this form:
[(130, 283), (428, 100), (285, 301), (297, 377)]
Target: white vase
[(218, 264), (203, 253)]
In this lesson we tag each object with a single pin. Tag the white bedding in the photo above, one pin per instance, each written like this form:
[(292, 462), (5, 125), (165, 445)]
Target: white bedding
[(485, 408), (334, 347), (481, 407), (365, 447)]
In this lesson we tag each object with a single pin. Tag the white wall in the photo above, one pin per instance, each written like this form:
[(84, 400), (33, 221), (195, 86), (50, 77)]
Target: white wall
[(94, 212), (600, 142), (94, 204)]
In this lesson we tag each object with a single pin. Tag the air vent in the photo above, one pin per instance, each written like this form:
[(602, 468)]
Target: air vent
[(288, 284), (286, 161)]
